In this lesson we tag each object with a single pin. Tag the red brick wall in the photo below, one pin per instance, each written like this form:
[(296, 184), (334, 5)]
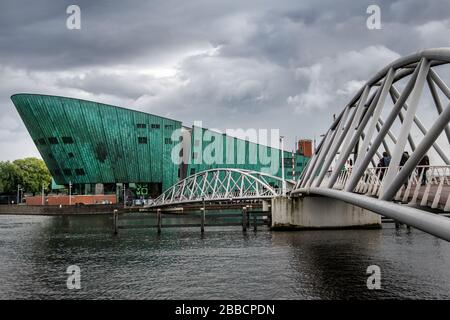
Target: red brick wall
[(64, 199), (305, 146)]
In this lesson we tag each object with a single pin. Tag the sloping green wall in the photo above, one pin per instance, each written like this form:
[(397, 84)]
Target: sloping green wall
[(105, 147)]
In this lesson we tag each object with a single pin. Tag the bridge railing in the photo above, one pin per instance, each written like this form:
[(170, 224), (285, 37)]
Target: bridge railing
[(425, 186)]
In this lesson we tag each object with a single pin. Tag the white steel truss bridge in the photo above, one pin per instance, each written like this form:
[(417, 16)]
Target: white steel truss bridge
[(223, 184)]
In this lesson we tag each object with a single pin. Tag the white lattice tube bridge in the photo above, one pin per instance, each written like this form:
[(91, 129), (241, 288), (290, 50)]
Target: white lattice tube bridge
[(370, 126), (223, 184)]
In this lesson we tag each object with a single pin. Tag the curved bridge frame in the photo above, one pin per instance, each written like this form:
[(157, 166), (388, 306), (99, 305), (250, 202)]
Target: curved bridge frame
[(359, 129), (222, 184)]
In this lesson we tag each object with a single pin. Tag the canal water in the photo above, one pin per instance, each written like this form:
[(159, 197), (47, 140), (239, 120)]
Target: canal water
[(224, 263)]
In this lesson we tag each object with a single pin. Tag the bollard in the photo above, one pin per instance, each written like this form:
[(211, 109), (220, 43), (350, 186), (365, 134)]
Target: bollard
[(159, 220), (244, 219), (202, 227), (248, 216), (115, 220)]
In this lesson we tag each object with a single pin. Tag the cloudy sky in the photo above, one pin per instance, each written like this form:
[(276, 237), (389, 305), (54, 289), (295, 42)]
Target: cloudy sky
[(287, 65)]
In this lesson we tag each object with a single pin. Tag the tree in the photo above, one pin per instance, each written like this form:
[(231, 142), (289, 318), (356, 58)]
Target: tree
[(34, 173), (30, 173), (10, 177)]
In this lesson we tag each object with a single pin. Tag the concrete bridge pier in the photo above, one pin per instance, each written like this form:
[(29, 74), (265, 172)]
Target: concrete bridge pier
[(265, 205), (317, 212)]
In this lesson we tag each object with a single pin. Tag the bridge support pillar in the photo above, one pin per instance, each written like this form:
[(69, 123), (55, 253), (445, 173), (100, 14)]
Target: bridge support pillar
[(265, 205), (316, 212)]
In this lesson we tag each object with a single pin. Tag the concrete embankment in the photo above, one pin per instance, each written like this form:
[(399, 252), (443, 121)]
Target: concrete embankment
[(56, 210), (109, 209)]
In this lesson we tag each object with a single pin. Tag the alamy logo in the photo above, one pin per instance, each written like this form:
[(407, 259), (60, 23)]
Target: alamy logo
[(73, 22), (374, 280), (374, 20), (74, 279), (211, 147)]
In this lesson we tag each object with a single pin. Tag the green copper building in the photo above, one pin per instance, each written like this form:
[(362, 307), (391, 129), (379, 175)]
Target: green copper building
[(89, 144)]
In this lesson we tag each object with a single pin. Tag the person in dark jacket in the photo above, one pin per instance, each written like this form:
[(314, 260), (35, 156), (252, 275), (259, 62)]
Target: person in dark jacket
[(380, 169), (405, 157), (423, 166), (383, 164), (386, 159)]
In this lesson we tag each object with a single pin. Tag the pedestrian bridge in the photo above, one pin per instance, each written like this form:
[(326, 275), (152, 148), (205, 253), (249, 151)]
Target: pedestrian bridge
[(416, 120), (402, 108), (426, 187)]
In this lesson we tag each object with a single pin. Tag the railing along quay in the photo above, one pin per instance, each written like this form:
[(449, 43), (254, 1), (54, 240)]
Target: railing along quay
[(247, 218)]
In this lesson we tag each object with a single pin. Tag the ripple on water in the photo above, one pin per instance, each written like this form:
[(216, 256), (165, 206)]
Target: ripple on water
[(221, 264)]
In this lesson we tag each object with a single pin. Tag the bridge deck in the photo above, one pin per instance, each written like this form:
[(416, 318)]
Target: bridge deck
[(421, 192)]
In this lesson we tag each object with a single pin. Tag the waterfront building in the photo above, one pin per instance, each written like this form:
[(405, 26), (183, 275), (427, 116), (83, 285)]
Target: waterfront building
[(97, 148)]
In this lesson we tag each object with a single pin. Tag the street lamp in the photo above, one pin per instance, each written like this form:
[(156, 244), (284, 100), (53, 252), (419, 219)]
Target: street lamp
[(43, 187), (124, 196), (18, 193), (70, 193), (283, 182)]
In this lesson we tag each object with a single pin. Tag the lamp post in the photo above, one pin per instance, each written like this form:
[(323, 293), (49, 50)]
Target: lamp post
[(124, 196), (70, 193), (43, 193), (18, 193), (283, 182)]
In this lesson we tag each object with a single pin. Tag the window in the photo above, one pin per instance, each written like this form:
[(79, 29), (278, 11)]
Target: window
[(79, 172), (67, 140), (168, 141), (141, 125), (155, 126), (42, 141), (192, 171), (71, 155), (67, 172), (142, 140), (52, 140), (168, 126)]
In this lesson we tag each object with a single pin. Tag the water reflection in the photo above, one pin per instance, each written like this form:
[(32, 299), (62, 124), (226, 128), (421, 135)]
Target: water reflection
[(223, 262)]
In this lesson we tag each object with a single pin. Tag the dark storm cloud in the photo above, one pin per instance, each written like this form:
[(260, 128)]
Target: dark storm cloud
[(262, 64)]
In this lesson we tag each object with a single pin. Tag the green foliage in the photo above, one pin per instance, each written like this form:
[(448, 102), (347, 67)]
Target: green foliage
[(30, 173), (10, 177)]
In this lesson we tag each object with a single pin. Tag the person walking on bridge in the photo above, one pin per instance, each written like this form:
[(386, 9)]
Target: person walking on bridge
[(383, 164), (424, 164), (405, 157)]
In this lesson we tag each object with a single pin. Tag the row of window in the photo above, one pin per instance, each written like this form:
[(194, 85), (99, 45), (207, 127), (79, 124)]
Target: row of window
[(143, 140), (69, 140), (53, 140), (68, 172), (153, 126)]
